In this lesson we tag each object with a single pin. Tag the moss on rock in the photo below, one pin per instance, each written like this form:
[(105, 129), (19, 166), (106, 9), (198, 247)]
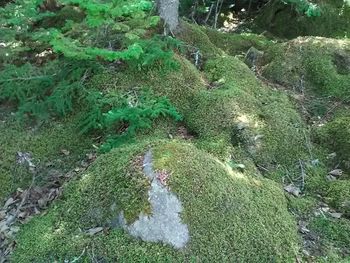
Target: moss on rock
[(312, 65), (238, 44), (334, 20), (335, 135), (230, 215), (338, 196), (245, 113), (196, 37)]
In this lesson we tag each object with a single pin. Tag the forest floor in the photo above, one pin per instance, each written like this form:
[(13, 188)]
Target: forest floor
[(258, 170)]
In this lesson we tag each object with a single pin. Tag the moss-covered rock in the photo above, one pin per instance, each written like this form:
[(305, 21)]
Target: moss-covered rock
[(334, 20), (334, 234), (311, 65), (226, 106), (238, 44), (196, 37), (245, 113), (339, 196), (335, 135), (230, 215)]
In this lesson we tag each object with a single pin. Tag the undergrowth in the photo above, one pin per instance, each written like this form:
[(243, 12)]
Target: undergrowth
[(48, 57)]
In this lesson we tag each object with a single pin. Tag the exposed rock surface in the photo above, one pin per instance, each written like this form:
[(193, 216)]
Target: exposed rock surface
[(165, 223)]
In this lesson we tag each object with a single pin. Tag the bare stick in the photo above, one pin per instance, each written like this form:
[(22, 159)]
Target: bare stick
[(302, 175)]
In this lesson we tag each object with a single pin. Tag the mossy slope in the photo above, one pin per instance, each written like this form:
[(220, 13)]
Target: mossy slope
[(230, 215), (335, 135), (312, 65), (44, 143), (334, 20)]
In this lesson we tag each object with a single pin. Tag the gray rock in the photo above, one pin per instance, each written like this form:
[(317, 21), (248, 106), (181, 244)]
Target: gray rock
[(164, 225), (252, 57)]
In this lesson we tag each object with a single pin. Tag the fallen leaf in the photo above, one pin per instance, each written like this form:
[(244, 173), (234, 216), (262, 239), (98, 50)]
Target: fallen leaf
[(336, 172), (65, 152), (303, 227), (94, 231), (331, 178), (2, 214), (336, 215), (325, 209), (42, 202), (331, 156), (9, 202), (292, 190)]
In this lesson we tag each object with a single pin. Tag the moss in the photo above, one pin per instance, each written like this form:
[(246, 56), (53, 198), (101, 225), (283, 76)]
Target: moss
[(316, 181), (179, 85), (334, 232), (302, 206), (335, 135), (244, 112), (196, 37), (59, 19), (237, 44), (45, 143), (314, 66), (338, 196), (333, 22), (229, 214)]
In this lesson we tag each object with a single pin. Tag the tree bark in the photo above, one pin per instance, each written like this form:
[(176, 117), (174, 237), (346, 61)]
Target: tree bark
[(168, 10)]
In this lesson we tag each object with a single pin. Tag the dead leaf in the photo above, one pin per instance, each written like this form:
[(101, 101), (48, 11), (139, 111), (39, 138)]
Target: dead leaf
[(94, 231), (22, 215), (336, 215), (303, 227), (332, 155), (65, 152), (331, 178), (42, 202), (9, 202), (336, 172), (292, 190), (325, 209), (2, 214)]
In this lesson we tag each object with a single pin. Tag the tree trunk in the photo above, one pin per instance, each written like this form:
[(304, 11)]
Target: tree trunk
[(169, 11)]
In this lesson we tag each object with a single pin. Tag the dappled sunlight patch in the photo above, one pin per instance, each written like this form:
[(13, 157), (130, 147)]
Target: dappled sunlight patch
[(231, 172)]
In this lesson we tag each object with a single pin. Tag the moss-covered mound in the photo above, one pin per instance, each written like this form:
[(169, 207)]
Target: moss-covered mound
[(238, 44), (44, 143), (335, 135), (311, 65), (230, 215), (241, 112), (334, 20), (225, 106), (339, 196)]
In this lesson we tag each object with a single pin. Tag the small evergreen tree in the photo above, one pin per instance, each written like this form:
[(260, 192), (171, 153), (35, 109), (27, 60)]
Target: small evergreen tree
[(50, 48)]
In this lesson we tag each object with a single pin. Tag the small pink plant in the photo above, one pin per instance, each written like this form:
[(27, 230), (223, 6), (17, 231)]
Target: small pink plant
[(162, 176)]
